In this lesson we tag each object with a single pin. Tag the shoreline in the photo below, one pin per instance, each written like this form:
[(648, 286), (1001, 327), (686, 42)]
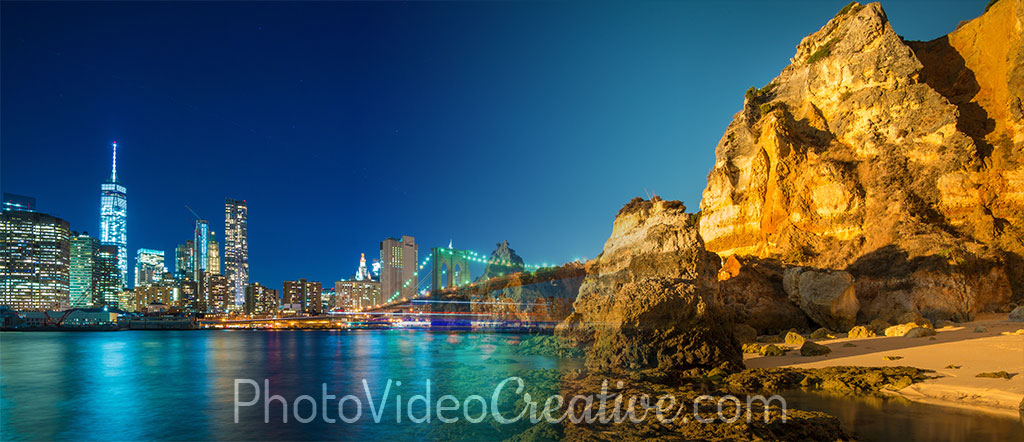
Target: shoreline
[(955, 356)]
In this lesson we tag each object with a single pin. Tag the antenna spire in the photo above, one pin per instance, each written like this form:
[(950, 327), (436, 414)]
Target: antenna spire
[(113, 170)]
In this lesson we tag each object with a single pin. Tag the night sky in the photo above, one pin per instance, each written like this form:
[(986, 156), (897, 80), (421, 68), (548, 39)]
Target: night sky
[(344, 123)]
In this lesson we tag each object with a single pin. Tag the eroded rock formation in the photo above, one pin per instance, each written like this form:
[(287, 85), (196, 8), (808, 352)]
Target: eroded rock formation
[(899, 162), (649, 300)]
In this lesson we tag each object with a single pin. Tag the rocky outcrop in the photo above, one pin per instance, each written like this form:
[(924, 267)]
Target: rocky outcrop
[(811, 349), (503, 261), (826, 296), (648, 301), (898, 162)]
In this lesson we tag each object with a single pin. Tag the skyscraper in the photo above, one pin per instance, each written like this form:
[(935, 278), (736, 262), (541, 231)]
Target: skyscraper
[(236, 246), (398, 276), (201, 251), (108, 281), (362, 273), (149, 267), (114, 219), (84, 251), (34, 261), (183, 261), (213, 258)]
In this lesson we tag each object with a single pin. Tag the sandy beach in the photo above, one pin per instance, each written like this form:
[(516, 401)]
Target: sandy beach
[(961, 346)]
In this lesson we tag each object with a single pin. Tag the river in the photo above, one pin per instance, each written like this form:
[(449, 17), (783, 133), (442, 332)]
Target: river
[(182, 385)]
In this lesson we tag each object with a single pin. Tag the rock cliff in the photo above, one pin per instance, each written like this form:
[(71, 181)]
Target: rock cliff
[(649, 300), (901, 163)]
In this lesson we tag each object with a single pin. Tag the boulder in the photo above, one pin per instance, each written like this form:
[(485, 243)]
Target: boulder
[(744, 333), (903, 329), (823, 333), (861, 331), (878, 326), (1017, 314), (772, 350), (811, 349), (794, 338), (919, 332), (826, 296)]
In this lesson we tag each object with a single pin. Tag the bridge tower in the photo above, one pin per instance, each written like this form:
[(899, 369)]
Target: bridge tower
[(450, 268)]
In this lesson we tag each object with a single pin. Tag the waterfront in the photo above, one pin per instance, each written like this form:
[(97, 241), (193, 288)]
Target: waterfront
[(180, 385)]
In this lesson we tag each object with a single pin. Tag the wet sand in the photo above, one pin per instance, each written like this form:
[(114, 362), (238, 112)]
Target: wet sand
[(959, 345)]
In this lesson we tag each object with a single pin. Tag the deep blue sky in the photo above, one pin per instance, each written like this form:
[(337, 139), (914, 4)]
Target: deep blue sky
[(344, 123)]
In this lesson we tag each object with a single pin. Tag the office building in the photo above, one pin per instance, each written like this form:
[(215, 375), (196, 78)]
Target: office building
[(356, 295), (221, 293), (213, 260), (398, 275), (236, 246), (84, 273), (149, 267), (35, 261), (303, 296), (114, 219), (183, 261), (17, 202), (201, 248), (260, 300), (108, 279)]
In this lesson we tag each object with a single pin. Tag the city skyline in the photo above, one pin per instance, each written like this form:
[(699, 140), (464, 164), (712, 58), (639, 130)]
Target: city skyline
[(340, 129)]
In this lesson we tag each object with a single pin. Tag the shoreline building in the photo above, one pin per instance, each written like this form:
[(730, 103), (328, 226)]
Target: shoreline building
[(356, 295), (398, 275), (259, 299), (236, 246), (35, 261), (114, 219), (84, 272), (302, 296), (222, 297)]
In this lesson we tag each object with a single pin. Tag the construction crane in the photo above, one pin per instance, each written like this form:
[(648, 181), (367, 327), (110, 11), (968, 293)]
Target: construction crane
[(193, 213)]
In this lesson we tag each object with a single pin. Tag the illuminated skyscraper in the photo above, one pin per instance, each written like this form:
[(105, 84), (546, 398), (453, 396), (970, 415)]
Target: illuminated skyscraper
[(84, 252), (114, 219), (35, 256), (362, 273), (149, 267), (201, 248), (108, 282), (236, 246), (183, 261), (213, 258), (398, 276)]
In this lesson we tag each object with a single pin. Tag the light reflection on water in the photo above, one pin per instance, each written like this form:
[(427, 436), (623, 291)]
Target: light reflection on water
[(180, 384)]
